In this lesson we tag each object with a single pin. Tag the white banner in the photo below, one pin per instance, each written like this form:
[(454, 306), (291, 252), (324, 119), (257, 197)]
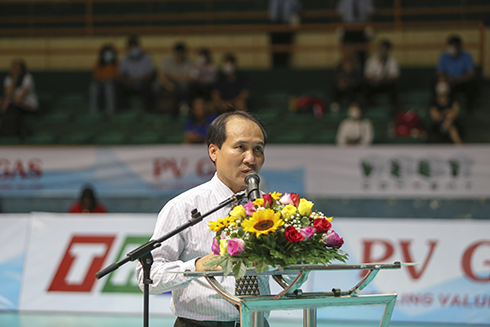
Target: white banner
[(13, 233), (451, 284), (65, 251), (321, 171)]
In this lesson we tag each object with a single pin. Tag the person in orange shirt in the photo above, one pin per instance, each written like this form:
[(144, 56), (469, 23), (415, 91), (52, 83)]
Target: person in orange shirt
[(103, 86)]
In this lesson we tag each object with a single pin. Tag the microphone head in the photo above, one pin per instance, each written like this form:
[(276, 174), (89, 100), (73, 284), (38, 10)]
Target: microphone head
[(251, 174)]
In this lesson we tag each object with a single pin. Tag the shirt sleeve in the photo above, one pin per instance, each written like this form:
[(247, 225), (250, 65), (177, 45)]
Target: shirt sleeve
[(166, 258)]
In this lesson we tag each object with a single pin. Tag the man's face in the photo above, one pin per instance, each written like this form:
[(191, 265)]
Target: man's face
[(242, 151)]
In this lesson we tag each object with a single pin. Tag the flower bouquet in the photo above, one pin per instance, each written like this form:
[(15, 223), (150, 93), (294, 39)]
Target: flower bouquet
[(275, 230)]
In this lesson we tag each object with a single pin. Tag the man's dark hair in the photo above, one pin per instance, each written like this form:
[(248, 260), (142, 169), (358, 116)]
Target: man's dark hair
[(230, 57), (455, 40), (386, 43), (133, 40), (217, 130), (180, 47)]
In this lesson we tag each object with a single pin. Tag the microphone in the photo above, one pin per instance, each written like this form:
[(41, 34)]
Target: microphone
[(252, 181)]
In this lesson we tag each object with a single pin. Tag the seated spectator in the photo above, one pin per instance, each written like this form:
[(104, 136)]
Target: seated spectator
[(103, 86), (203, 74), (381, 74), (136, 75), (88, 203), (197, 123), (18, 100), (174, 78), (444, 115), (355, 130), (348, 80), (456, 66), (231, 90)]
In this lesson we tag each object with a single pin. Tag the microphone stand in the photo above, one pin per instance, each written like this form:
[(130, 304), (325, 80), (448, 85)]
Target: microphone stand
[(144, 252)]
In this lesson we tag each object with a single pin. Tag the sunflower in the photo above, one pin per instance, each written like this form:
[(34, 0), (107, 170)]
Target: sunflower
[(263, 222)]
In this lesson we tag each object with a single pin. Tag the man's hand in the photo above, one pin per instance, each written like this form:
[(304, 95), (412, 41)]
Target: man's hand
[(200, 263)]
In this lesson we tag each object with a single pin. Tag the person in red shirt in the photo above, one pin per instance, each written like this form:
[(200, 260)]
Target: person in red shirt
[(88, 203)]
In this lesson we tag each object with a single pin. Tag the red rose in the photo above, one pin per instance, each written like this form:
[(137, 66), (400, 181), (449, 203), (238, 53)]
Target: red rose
[(321, 225), (295, 199), (292, 235), (267, 200)]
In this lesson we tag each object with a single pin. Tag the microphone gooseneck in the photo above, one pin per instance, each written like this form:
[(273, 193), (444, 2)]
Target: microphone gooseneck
[(252, 181)]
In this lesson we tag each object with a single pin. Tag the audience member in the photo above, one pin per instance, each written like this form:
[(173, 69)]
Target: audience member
[(348, 80), (88, 203), (283, 12), (444, 112), (356, 15), (18, 100), (198, 121), (355, 130), (231, 90), (381, 74), (203, 74), (456, 66), (174, 77), (103, 86), (136, 74)]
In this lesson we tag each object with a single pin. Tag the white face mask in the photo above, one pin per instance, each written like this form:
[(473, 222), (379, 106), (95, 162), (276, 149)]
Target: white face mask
[(451, 51), (135, 52), (228, 68), (442, 88), (354, 113), (108, 56), (200, 60)]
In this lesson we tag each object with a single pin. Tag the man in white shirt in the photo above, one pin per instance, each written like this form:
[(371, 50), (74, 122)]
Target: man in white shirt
[(236, 142), (381, 74)]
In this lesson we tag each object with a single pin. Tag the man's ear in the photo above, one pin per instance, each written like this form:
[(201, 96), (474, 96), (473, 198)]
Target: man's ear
[(212, 150)]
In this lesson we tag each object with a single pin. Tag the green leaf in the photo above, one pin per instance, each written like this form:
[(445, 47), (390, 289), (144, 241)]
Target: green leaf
[(239, 270), (215, 262), (241, 232), (305, 221), (227, 266), (261, 267)]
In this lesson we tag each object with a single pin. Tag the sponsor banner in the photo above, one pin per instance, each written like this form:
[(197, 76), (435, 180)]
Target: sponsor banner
[(450, 285), (13, 234), (65, 251), (321, 171)]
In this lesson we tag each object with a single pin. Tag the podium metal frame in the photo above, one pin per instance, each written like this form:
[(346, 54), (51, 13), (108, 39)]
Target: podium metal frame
[(291, 297)]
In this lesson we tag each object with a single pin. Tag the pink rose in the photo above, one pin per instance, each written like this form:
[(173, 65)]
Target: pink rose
[(235, 246), (286, 199), (307, 232), (215, 246), (249, 208), (332, 239)]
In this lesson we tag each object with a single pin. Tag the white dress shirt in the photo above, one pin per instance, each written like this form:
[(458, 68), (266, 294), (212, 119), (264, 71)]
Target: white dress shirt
[(192, 298)]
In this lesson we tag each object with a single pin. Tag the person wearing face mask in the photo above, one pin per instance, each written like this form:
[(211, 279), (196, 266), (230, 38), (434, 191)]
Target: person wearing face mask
[(136, 75), (381, 73), (355, 130), (456, 67), (444, 112), (203, 74), (103, 85), (231, 90)]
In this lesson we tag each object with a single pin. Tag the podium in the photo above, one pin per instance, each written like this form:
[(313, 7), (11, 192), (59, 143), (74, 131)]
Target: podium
[(291, 297)]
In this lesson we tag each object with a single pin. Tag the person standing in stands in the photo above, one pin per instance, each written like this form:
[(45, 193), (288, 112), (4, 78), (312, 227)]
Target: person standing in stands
[(136, 75), (355, 130), (88, 203), (103, 86), (456, 67), (355, 29), (19, 99)]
